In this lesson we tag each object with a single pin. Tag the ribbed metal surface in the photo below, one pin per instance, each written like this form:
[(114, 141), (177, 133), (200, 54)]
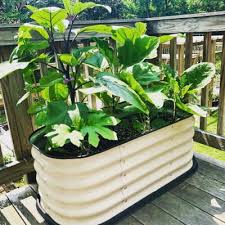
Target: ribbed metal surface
[(92, 190)]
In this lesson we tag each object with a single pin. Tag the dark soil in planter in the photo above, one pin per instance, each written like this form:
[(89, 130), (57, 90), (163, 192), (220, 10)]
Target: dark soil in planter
[(124, 133)]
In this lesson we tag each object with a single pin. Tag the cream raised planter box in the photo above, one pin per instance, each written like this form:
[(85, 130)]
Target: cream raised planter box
[(93, 190)]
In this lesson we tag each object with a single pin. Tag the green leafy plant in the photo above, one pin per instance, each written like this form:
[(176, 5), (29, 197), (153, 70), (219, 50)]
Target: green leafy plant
[(135, 92)]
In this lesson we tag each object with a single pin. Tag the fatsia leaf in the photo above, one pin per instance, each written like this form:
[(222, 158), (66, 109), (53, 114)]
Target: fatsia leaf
[(146, 73), (79, 7), (134, 52), (121, 89), (63, 133), (7, 68), (198, 76), (26, 29), (97, 125)]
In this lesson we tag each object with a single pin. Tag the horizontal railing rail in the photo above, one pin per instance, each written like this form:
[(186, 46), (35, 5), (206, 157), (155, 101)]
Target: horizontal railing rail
[(180, 56)]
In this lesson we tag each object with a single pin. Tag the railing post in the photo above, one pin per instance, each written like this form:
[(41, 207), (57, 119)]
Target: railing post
[(20, 123), (188, 50), (205, 92), (221, 113)]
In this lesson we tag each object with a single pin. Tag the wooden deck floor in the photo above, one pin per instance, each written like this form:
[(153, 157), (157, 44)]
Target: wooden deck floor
[(200, 200)]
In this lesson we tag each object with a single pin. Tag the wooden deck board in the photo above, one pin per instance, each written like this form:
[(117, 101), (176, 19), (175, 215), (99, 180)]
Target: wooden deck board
[(152, 215), (184, 211), (202, 200), (199, 200), (8, 214), (23, 199)]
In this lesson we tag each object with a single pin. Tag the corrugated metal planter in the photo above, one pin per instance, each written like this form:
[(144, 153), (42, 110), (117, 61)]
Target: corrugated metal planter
[(92, 190)]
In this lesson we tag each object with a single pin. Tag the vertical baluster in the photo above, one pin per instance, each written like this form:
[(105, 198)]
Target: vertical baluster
[(1, 157), (173, 53), (180, 59), (221, 113), (92, 101), (213, 60), (205, 92)]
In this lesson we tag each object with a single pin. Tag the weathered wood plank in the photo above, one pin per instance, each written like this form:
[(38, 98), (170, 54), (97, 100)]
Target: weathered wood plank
[(203, 22), (184, 211), (221, 112), (208, 185), (152, 215), (173, 53), (207, 48), (1, 157), (208, 203), (188, 50), (23, 199), (129, 221), (15, 170), (210, 139), (211, 171), (181, 59), (8, 214)]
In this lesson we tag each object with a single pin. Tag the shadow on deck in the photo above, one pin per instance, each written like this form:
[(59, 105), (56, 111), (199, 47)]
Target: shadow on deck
[(200, 200)]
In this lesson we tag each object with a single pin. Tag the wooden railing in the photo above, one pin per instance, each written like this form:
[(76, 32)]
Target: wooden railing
[(180, 57)]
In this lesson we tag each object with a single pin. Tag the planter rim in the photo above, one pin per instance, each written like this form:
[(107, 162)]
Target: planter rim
[(106, 149)]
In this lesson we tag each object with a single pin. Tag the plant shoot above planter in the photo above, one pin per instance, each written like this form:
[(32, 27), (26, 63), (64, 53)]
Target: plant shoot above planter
[(137, 95)]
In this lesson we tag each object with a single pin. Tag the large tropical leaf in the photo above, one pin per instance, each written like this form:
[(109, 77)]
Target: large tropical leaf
[(134, 52), (191, 108), (55, 92), (97, 125), (51, 16), (7, 68), (121, 89), (51, 78), (102, 29), (123, 34), (26, 29), (56, 113), (80, 7), (146, 73), (68, 59), (97, 61), (198, 76)]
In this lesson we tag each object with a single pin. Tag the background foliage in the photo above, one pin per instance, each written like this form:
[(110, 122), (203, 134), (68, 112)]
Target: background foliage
[(14, 11)]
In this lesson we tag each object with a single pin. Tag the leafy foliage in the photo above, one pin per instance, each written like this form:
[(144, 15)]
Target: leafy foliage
[(134, 91)]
